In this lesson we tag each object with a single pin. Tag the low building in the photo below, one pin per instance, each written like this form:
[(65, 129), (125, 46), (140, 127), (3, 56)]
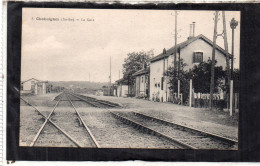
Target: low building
[(142, 83), (122, 88), (192, 51), (29, 85), (106, 91), (34, 86), (40, 87)]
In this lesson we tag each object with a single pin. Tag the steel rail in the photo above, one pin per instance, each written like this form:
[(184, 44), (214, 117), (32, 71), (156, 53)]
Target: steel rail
[(84, 100), (86, 127), (95, 100), (215, 136), (152, 131), (55, 125), (43, 125)]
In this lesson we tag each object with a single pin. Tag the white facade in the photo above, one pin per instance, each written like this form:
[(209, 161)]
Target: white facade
[(40, 88), (122, 90), (34, 86), (141, 83), (200, 45), (159, 93), (29, 84), (159, 90)]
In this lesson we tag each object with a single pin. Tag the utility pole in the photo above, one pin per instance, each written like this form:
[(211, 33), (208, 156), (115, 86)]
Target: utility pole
[(227, 54), (233, 25), (175, 55), (164, 54), (224, 35), (110, 78), (213, 60)]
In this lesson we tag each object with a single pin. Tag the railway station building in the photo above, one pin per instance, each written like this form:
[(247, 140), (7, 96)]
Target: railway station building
[(193, 51)]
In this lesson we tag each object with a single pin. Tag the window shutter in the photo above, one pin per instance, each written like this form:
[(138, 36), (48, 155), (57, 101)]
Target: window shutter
[(193, 58)]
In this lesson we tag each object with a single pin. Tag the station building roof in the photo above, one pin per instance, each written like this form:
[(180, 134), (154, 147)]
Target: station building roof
[(184, 44), (142, 71)]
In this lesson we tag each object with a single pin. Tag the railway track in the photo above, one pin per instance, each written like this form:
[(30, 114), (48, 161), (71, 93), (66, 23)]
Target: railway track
[(185, 136), (84, 124), (50, 119), (139, 126), (47, 119), (94, 102), (180, 136), (104, 105)]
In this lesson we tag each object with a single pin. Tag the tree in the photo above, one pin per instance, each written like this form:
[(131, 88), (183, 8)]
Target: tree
[(201, 77), (135, 61), (236, 79), (183, 76), (200, 74)]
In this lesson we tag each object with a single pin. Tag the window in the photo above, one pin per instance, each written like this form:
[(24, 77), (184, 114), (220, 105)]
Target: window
[(142, 79), (197, 57)]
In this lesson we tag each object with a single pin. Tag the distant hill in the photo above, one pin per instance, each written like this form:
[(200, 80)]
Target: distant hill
[(79, 84)]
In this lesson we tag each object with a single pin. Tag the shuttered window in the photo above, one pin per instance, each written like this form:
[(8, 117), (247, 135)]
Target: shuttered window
[(197, 57)]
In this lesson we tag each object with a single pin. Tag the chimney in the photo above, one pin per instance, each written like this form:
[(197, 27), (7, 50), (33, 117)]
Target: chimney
[(190, 30), (193, 29)]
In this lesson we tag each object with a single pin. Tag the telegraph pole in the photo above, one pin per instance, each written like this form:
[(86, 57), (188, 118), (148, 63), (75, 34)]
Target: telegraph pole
[(110, 78), (233, 25), (164, 54), (213, 60), (175, 55), (227, 55)]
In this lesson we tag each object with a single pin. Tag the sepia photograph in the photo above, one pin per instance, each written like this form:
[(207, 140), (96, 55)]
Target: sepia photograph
[(129, 78)]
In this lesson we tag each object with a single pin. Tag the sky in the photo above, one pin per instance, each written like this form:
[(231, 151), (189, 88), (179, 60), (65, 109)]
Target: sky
[(58, 47)]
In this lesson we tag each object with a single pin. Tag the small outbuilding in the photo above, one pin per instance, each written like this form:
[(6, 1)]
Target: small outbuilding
[(142, 83), (122, 88), (34, 86)]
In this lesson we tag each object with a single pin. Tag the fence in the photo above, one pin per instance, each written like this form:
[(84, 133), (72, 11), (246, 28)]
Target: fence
[(174, 98), (203, 101)]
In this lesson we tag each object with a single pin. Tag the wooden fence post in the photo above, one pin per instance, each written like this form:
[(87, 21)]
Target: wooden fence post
[(190, 102)]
